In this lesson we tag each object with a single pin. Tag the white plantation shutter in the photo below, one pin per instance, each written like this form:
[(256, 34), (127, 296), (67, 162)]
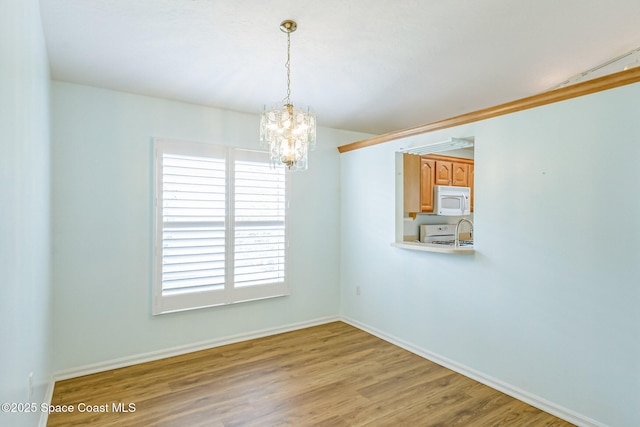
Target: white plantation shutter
[(193, 216), (220, 232), (260, 239)]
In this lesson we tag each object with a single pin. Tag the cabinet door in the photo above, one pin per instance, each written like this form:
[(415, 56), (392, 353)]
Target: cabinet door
[(427, 175), (460, 174), (444, 172), (411, 175)]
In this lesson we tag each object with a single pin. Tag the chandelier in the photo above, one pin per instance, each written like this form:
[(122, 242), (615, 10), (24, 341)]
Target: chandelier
[(289, 133)]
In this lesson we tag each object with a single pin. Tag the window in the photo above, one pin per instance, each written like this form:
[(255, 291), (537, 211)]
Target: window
[(220, 226)]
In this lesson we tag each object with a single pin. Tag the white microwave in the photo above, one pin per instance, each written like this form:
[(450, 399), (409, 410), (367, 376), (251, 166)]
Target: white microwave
[(452, 201)]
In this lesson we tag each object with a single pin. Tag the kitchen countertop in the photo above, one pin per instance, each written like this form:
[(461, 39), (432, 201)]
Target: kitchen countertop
[(428, 247)]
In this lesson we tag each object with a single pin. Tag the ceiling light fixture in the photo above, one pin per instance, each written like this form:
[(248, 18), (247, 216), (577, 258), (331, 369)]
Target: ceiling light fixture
[(635, 63), (438, 147), (611, 66), (288, 133)]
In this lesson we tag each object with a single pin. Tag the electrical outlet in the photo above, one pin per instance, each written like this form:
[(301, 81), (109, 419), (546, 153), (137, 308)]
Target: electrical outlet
[(357, 290), (30, 386)]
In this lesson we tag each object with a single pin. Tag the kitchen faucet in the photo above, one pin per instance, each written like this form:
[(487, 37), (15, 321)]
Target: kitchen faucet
[(457, 235)]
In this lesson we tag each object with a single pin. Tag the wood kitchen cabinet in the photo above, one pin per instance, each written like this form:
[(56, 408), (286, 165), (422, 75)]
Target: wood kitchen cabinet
[(460, 174), (412, 180), (444, 172), (422, 173), (427, 179), (452, 173)]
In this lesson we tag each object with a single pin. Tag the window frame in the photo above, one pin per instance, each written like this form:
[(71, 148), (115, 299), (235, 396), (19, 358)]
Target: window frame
[(231, 294)]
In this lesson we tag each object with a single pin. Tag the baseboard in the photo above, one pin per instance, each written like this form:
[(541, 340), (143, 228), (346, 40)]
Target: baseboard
[(48, 395), (533, 400), (184, 349)]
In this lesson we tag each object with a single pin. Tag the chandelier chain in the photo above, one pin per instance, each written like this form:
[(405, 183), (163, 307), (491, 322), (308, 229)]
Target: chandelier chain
[(288, 65)]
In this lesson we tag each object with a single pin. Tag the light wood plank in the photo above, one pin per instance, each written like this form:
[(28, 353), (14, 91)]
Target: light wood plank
[(611, 81), (329, 375)]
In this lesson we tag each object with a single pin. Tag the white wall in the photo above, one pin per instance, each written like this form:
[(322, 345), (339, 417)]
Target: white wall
[(549, 302), (102, 216), (24, 208)]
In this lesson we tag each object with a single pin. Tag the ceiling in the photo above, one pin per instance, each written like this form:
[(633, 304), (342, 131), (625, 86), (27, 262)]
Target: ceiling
[(371, 66)]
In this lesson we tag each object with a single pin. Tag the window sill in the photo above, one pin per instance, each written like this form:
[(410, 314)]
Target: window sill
[(426, 247)]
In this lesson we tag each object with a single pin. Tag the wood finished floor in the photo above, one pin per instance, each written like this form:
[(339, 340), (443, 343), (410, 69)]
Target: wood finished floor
[(329, 375)]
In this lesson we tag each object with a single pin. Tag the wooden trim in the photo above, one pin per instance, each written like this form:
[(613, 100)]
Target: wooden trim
[(611, 81), (448, 158)]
